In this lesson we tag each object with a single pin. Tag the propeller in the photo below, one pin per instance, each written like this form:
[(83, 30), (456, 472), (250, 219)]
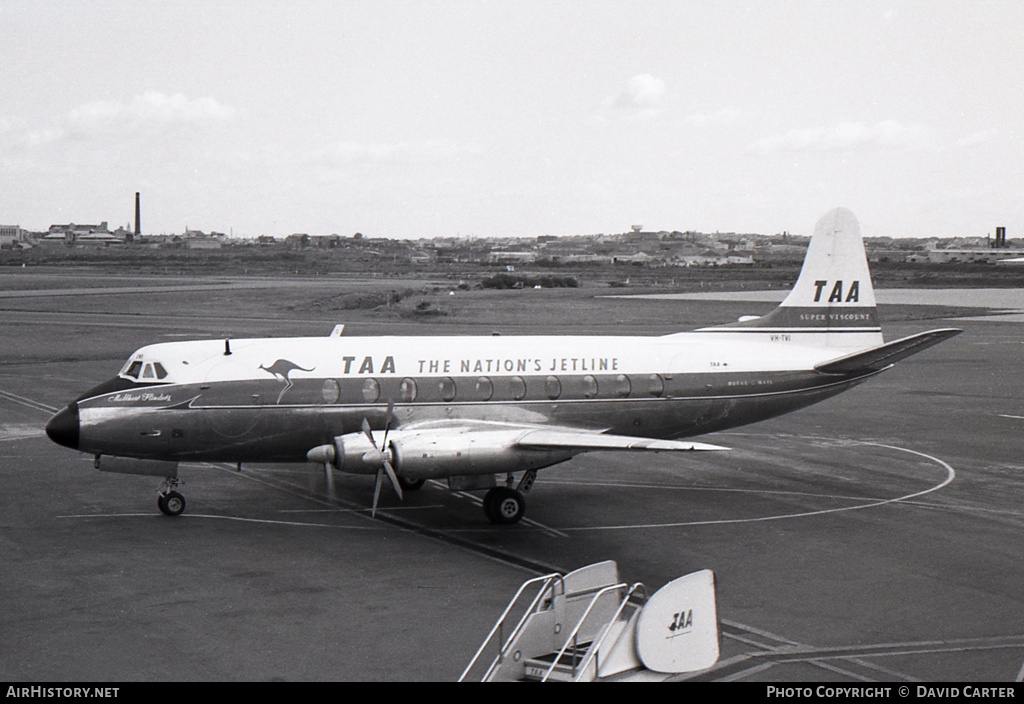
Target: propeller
[(384, 457), (329, 478)]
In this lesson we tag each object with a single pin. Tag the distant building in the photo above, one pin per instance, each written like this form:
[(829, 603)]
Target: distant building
[(332, 241), (511, 257), (85, 234), (299, 240), (204, 242), (9, 234), (945, 256)]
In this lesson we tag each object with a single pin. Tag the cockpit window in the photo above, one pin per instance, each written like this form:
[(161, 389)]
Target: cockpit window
[(144, 370)]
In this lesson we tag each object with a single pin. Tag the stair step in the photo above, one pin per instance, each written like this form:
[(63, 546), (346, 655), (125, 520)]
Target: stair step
[(536, 668)]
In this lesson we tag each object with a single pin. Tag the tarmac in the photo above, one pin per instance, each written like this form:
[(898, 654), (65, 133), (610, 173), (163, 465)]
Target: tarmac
[(873, 537)]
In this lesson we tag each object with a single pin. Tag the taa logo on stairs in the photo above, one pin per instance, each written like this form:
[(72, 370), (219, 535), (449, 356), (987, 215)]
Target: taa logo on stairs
[(681, 621)]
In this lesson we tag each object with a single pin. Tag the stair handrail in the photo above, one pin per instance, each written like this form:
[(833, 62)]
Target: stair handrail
[(576, 629), (548, 579), (592, 653)]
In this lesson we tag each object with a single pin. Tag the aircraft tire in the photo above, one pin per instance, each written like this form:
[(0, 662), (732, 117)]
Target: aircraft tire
[(171, 504), (504, 505), (411, 484)]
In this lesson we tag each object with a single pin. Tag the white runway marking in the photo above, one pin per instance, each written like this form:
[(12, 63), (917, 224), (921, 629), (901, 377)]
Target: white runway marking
[(479, 502), (358, 510), (35, 405), (20, 431), (870, 503), (239, 519)]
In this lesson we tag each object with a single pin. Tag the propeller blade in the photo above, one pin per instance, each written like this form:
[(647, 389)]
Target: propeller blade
[(394, 479), (382, 452), (387, 422), (376, 494), (329, 478)]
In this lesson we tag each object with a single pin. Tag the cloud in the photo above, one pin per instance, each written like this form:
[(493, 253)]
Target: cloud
[(642, 92), (641, 98), (425, 150), (724, 116), (973, 140), (151, 110), (854, 136), (113, 121)]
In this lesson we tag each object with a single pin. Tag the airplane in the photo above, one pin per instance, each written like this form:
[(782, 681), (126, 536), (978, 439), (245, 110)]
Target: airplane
[(476, 410)]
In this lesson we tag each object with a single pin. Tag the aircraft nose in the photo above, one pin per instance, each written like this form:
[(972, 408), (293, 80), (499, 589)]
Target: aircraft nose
[(63, 427)]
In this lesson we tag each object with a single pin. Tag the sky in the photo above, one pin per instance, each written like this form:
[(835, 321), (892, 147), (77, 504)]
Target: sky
[(486, 118)]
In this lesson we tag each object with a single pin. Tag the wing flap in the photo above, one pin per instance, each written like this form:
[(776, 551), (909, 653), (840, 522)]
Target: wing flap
[(878, 358)]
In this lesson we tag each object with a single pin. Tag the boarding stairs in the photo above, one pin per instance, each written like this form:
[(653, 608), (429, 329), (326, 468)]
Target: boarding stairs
[(588, 626)]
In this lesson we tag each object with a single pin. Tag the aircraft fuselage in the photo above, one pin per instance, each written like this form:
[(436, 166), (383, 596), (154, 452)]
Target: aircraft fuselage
[(272, 400)]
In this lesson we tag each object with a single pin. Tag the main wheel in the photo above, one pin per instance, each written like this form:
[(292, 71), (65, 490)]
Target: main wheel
[(504, 505), (172, 503), (411, 484)]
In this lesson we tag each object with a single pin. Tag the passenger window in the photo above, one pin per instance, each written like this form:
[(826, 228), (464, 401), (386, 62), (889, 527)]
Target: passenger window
[(447, 388), (371, 390), (553, 387), (407, 390), (518, 387), (330, 391), (656, 385), (589, 386), (484, 388), (622, 386)]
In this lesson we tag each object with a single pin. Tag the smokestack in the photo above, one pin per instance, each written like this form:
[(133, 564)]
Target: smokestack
[(138, 220), (1000, 237)]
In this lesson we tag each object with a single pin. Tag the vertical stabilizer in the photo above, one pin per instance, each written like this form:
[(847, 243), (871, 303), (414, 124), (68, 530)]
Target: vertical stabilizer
[(832, 303)]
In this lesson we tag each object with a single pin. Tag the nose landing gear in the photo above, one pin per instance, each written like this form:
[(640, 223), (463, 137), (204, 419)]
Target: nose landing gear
[(170, 502)]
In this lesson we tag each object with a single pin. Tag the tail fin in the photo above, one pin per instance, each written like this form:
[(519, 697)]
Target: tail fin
[(832, 303)]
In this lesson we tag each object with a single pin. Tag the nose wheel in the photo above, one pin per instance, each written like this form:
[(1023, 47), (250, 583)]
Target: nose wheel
[(170, 502)]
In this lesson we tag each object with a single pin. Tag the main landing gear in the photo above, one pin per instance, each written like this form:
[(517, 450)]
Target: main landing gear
[(170, 502), (503, 504)]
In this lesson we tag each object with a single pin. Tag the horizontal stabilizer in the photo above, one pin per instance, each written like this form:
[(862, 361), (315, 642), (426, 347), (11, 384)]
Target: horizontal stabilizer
[(882, 356), (570, 439)]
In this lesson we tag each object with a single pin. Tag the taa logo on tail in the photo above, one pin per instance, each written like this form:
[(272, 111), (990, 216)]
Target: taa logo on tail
[(852, 293)]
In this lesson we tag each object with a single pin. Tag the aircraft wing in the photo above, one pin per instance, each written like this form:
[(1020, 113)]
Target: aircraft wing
[(531, 435), (878, 358), (570, 438)]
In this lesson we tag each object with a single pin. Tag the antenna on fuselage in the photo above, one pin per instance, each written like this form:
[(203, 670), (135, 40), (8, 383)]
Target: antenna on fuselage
[(227, 347)]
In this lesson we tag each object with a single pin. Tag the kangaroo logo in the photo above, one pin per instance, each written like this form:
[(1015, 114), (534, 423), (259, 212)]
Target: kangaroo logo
[(282, 369)]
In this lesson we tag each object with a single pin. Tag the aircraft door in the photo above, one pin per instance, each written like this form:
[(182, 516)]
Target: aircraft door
[(233, 405), (699, 391)]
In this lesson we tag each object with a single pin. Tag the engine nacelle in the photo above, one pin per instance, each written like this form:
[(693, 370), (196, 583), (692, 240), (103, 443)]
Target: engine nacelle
[(353, 452), (442, 452)]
